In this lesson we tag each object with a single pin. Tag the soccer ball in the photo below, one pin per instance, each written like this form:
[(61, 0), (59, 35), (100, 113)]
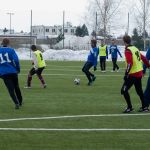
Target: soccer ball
[(76, 81)]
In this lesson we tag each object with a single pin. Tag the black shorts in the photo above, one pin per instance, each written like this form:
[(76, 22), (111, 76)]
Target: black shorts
[(38, 71)]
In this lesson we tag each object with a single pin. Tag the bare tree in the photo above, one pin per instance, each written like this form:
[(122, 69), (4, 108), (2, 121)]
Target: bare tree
[(103, 11), (142, 16)]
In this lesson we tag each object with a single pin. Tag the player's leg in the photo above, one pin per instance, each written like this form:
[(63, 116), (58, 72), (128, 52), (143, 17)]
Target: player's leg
[(147, 93), (29, 79), (85, 69), (17, 88), (101, 63), (139, 90), (10, 87), (39, 74), (124, 91)]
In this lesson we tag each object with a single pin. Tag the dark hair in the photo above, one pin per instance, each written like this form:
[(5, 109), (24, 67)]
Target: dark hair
[(5, 42), (94, 41), (127, 39), (33, 47)]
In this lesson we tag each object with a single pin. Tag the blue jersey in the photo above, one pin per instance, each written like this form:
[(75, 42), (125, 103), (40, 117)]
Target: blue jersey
[(93, 55), (9, 62), (148, 58), (114, 51)]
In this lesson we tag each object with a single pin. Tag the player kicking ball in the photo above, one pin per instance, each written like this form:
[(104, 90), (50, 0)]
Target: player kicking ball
[(91, 61)]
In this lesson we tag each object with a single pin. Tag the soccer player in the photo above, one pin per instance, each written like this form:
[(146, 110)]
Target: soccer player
[(133, 74), (91, 61), (39, 66), (103, 54), (114, 51), (147, 90), (9, 69)]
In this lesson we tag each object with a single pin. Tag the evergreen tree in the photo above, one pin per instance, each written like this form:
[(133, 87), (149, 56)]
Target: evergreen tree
[(84, 30), (78, 31), (81, 31), (137, 39)]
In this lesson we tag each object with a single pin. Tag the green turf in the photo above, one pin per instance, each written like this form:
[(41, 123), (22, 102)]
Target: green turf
[(63, 98)]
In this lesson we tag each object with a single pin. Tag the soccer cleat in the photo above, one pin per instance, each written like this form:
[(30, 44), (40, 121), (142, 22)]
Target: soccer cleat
[(112, 71), (117, 70), (44, 86), (17, 106), (145, 109), (89, 83), (93, 78), (128, 110), (27, 87)]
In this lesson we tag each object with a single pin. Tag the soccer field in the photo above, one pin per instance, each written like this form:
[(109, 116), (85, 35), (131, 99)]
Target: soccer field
[(65, 116)]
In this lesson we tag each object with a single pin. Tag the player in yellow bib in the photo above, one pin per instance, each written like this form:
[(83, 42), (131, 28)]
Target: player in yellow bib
[(133, 75), (39, 65), (103, 54)]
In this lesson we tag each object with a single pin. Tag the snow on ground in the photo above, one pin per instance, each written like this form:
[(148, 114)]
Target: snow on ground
[(81, 46), (62, 55)]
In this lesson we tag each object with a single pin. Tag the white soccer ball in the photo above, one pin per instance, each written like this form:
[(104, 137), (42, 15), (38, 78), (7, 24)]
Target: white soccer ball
[(77, 81)]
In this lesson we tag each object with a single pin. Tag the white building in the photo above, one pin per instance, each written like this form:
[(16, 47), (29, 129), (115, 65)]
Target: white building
[(42, 31)]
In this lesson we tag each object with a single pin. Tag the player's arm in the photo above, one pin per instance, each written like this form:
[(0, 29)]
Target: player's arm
[(35, 61), (16, 61), (128, 56)]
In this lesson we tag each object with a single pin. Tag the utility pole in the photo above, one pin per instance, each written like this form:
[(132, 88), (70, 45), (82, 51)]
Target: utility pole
[(63, 28), (10, 14), (96, 27), (128, 24), (31, 33), (144, 20)]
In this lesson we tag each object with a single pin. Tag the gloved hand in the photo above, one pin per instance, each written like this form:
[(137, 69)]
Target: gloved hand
[(126, 76), (95, 68)]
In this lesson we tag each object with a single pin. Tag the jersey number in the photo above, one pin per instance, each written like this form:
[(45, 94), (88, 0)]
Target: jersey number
[(41, 56), (4, 58), (138, 55)]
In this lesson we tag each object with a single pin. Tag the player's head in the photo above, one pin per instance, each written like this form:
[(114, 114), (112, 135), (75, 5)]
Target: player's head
[(33, 47), (5, 42), (93, 43), (113, 41), (102, 42), (127, 40)]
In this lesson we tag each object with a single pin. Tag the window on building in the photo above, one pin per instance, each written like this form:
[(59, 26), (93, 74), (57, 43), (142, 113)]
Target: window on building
[(66, 30), (47, 30), (72, 30), (53, 30)]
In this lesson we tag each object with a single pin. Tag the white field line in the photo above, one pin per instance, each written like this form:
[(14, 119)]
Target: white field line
[(75, 75), (75, 116), (80, 130), (49, 74)]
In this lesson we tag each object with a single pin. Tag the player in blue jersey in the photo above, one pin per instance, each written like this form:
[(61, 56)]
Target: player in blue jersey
[(147, 90), (9, 69), (91, 61), (114, 51)]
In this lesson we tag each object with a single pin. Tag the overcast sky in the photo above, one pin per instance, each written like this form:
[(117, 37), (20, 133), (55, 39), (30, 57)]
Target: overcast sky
[(45, 12)]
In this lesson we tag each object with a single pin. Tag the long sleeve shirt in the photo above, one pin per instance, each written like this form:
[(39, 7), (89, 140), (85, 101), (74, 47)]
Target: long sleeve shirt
[(93, 55), (148, 58), (9, 62), (129, 59), (114, 51)]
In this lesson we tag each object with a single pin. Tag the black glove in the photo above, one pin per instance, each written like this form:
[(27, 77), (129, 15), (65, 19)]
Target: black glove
[(95, 68), (126, 76)]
